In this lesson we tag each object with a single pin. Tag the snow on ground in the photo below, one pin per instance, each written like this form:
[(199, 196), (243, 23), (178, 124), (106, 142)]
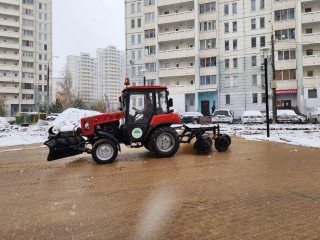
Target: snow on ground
[(296, 134)]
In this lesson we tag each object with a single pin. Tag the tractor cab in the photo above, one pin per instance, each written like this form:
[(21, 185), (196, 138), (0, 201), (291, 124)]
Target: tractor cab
[(146, 108)]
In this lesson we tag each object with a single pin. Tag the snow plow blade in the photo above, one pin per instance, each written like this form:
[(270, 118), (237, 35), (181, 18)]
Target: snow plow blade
[(64, 147)]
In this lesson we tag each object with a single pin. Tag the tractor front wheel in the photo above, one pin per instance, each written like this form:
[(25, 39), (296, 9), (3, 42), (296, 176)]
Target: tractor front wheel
[(104, 151), (164, 142)]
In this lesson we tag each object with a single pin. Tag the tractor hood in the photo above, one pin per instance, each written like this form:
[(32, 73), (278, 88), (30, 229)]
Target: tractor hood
[(88, 123)]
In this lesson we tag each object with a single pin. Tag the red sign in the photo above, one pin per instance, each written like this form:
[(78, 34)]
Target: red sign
[(290, 91)]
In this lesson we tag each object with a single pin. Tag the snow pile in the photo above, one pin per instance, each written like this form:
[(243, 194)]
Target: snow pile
[(71, 116), (3, 123)]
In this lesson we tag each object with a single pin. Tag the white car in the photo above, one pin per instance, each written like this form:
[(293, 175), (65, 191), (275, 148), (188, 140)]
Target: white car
[(287, 116), (222, 116), (314, 115), (252, 116)]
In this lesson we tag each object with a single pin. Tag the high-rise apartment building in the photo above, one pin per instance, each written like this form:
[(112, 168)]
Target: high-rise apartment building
[(211, 53), (25, 53), (95, 79)]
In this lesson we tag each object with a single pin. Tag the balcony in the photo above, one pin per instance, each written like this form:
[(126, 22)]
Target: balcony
[(311, 60), (181, 89), (11, 2), (287, 84), (211, 87), (9, 45), (286, 64), (9, 79), (9, 90), (9, 34), (311, 17), (278, 25), (176, 72), (176, 53), (211, 70), (310, 38), (27, 101), (9, 12), (311, 82), (279, 5), (176, 17), (176, 35), (10, 23), (9, 56), (162, 3), (9, 67)]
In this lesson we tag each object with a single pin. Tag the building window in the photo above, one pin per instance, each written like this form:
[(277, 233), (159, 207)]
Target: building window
[(208, 62), (226, 45), (289, 74), (309, 52), (149, 17), (133, 39), (262, 41), (207, 26), (208, 7), (234, 26), (286, 54), (284, 14), (148, 2), (263, 98), (262, 22), (235, 62), (312, 93), (253, 23), (310, 73), (226, 27), (254, 80), (235, 81), (234, 8), (226, 82), (253, 61), (149, 50), (253, 5), (308, 30), (254, 97), (132, 23), (253, 42), (226, 9), (208, 44), (138, 7), (132, 8), (139, 22), (235, 44), (151, 33), (262, 4), (227, 99), (208, 80), (308, 10)]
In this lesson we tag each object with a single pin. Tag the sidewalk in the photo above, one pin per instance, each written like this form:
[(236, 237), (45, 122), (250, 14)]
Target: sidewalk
[(255, 190)]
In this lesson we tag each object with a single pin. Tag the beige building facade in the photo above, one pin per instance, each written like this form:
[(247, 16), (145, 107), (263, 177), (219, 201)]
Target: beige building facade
[(211, 53), (25, 53)]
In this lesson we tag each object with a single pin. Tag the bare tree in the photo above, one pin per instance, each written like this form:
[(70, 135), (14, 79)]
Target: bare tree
[(3, 109), (64, 92)]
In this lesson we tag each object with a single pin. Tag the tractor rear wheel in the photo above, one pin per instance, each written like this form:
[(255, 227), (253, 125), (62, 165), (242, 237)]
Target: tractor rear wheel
[(221, 143), (164, 142), (104, 151)]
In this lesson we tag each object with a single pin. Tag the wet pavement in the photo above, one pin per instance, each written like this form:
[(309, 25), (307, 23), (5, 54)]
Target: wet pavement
[(255, 190)]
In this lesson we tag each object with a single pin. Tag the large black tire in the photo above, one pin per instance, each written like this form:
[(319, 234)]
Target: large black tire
[(164, 142), (228, 137), (203, 146), (104, 151), (221, 143)]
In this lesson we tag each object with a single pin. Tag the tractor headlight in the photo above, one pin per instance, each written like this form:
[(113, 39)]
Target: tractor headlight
[(86, 125)]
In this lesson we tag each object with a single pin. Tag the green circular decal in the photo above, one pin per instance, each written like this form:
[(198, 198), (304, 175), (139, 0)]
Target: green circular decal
[(137, 133)]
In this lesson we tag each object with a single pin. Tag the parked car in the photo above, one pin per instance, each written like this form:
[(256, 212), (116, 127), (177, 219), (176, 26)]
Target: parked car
[(222, 116), (314, 115), (190, 117), (287, 116), (252, 116), (51, 117)]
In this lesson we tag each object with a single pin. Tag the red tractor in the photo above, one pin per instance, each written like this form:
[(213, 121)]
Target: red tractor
[(151, 127)]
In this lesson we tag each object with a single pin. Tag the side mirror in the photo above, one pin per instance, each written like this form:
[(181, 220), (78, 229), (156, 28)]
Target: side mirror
[(170, 103)]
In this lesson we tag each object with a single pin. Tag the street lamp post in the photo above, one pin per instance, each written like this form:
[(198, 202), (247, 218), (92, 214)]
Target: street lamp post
[(48, 81), (144, 77), (273, 82), (266, 86)]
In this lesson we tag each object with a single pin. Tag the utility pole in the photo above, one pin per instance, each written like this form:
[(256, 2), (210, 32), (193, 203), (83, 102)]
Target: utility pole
[(48, 89), (273, 83)]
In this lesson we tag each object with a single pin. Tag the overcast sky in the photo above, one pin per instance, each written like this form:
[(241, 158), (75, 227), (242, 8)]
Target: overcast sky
[(84, 26)]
